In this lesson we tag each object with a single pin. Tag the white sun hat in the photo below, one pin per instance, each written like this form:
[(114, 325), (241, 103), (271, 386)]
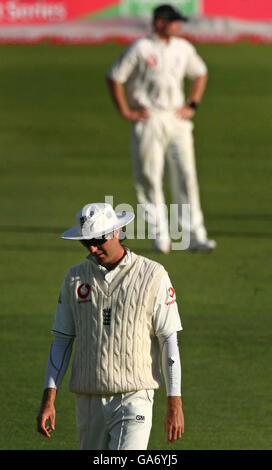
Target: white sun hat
[(95, 220)]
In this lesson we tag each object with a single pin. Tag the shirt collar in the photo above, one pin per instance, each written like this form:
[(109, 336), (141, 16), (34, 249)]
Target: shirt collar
[(157, 39)]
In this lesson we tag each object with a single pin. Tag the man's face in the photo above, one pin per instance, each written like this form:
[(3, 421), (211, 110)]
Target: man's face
[(173, 28), (107, 253), (166, 28)]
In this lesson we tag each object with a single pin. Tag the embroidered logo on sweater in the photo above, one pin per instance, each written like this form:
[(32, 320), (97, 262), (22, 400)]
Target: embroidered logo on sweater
[(83, 291), (151, 60), (172, 296), (106, 316)]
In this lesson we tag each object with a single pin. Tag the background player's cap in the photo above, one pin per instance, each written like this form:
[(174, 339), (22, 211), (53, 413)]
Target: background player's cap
[(95, 220), (168, 12)]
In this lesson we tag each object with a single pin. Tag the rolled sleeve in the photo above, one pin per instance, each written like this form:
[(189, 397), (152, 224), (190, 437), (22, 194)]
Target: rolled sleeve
[(196, 67), (125, 65)]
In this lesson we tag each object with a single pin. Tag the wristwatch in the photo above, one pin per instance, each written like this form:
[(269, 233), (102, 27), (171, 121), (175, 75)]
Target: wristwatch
[(192, 104)]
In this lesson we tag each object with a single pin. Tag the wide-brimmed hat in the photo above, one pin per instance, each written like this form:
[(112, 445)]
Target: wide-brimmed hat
[(95, 220), (169, 13)]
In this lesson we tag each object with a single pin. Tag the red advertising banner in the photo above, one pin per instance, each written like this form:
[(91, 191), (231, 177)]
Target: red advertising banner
[(98, 21), (47, 11), (258, 10)]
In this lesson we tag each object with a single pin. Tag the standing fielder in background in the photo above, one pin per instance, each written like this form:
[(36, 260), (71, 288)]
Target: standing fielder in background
[(121, 310), (153, 70)]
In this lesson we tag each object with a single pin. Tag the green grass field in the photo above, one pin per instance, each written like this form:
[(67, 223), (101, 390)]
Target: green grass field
[(62, 144)]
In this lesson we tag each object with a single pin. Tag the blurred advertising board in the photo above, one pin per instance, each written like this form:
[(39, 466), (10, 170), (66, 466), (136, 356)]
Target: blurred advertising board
[(258, 10), (54, 11), (144, 7), (48, 11), (14, 12)]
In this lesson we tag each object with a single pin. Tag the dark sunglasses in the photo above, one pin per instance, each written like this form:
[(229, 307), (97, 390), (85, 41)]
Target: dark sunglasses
[(94, 242)]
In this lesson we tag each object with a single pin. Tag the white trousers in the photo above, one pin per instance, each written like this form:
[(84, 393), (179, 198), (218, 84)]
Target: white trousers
[(164, 140), (119, 422)]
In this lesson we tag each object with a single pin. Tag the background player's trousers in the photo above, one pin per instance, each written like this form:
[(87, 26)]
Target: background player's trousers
[(118, 422), (165, 140)]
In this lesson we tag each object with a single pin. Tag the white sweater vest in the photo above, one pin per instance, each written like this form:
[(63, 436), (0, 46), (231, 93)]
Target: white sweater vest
[(116, 350)]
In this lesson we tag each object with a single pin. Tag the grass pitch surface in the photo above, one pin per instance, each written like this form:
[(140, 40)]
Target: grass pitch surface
[(62, 144)]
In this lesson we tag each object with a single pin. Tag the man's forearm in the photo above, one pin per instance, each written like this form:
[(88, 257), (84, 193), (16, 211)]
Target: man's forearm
[(197, 89), (118, 95), (48, 398), (174, 405), (174, 401)]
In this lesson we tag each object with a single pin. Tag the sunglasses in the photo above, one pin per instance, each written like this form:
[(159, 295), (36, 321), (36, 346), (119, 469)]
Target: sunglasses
[(94, 242)]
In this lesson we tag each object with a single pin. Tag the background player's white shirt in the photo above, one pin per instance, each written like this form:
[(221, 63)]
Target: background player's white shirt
[(166, 319), (154, 71)]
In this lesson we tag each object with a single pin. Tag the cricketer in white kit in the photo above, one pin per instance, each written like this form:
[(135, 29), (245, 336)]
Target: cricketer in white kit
[(146, 83), (120, 310)]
